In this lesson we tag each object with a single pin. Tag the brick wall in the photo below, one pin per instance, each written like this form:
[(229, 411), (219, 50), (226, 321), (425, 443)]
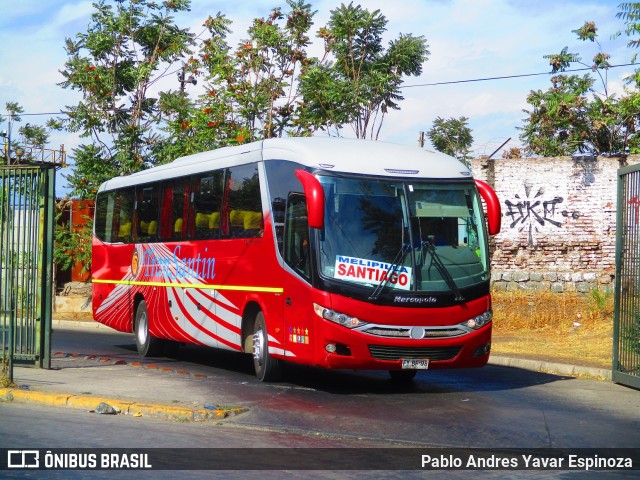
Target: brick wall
[(558, 221)]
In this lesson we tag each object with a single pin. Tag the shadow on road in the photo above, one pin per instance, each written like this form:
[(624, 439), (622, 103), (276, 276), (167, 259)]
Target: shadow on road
[(350, 382)]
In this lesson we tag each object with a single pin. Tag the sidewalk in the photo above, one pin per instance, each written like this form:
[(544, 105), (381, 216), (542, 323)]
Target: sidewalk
[(153, 387)]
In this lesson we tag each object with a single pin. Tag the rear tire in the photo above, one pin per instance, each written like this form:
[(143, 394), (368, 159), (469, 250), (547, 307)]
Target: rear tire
[(147, 345), (402, 376), (268, 369)]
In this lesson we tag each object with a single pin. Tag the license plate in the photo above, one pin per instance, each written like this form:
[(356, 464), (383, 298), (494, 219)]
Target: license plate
[(415, 363)]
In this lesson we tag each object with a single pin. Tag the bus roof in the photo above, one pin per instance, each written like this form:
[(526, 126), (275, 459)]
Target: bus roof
[(331, 154)]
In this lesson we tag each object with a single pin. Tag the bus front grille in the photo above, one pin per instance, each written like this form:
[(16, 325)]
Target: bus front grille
[(383, 352)]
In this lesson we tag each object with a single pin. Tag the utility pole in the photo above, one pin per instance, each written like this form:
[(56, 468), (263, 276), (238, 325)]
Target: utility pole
[(421, 140), (6, 135)]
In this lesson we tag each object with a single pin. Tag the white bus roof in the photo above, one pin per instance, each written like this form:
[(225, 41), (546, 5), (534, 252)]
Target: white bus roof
[(332, 154)]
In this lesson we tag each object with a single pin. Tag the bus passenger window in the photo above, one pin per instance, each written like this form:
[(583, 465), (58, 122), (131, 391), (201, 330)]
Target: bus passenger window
[(242, 209), (103, 217), (122, 220), (172, 226), (205, 212), (147, 208)]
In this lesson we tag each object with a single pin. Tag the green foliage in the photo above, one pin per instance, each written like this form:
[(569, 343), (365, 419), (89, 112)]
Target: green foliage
[(601, 303), (572, 117), (358, 81), (127, 48), (630, 13), (31, 137), (630, 335), (14, 110), (251, 90), (34, 135), (266, 86), (453, 137), (90, 171), (72, 245)]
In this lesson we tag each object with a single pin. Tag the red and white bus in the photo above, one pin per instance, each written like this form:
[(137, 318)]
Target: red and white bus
[(337, 253)]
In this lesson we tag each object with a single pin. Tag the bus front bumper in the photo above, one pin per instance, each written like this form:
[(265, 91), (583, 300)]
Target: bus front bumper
[(347, 349)]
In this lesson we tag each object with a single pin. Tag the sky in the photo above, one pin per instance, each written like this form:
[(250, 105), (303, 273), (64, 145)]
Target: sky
[(467, 40)]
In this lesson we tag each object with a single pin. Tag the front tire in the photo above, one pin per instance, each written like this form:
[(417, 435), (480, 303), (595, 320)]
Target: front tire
[(147, 345), (268, 369)]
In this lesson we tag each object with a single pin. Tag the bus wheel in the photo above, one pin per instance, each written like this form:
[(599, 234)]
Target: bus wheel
[(147, 345), (268, 369), (402, 376)]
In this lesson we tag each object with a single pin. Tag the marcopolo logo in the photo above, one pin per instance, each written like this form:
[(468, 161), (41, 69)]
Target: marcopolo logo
[(23, 459)]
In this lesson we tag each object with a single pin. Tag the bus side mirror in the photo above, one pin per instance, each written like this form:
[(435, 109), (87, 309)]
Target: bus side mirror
[(314, 194), (494, 211)]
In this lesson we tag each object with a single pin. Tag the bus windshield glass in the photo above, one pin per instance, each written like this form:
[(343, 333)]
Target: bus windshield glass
[(414, 236)]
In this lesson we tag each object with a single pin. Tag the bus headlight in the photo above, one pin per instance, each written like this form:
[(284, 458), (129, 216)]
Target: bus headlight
[(337, 317), (478, 321)]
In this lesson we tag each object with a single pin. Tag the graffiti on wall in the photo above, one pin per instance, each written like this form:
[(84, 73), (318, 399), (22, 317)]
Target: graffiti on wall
[(532, 211)]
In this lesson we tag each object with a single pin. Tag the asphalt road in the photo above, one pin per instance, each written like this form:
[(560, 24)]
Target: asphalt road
[(495, 407)]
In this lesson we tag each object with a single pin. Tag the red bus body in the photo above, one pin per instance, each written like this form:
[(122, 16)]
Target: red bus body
[(211, 291)]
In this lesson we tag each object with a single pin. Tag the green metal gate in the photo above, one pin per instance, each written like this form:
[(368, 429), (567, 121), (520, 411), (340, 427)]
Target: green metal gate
[(26, 258), (626, 329)]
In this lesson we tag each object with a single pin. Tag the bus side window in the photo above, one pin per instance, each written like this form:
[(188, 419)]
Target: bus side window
[(147, 207), (282, 180), (242, 205), (123, 216), (204, 221), (172, 213), (296, 233), (103, 223)]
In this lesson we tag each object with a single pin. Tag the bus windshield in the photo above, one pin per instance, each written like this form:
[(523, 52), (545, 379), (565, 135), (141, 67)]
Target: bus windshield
[(421, 236)]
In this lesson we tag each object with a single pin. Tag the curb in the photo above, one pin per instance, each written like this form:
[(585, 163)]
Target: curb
[(91, 403), (551, 367)]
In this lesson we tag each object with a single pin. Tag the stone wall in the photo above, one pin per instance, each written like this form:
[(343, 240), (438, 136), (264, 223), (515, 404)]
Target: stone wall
[(558, 221)]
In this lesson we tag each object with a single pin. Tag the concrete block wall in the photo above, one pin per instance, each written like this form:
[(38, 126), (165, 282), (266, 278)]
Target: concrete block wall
[(558, 221)]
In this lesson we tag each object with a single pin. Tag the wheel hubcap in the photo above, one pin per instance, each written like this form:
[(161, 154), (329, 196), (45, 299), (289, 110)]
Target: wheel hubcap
[(258, 347), (142, 329)]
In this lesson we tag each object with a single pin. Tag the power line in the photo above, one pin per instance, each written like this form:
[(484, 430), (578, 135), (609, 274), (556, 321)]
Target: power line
[(30, 114), (450, 82)]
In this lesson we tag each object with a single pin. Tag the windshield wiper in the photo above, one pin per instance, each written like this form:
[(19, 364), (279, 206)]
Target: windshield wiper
[(444, 272), (397, 261)]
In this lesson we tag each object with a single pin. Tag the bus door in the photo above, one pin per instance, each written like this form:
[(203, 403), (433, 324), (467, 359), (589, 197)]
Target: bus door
[(298, 309)]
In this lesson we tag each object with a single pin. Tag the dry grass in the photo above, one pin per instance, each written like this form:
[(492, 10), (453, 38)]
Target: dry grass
[(565, 328)]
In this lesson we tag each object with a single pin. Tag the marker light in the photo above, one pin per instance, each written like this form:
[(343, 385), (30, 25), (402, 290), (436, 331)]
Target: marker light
[(337, 317)]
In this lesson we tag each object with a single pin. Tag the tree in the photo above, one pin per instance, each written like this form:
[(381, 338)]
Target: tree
[(251, 90), (573, 117), (267, 86), (453, 137), (261, 88), (127, 49), (358, 81), (30, 137)]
